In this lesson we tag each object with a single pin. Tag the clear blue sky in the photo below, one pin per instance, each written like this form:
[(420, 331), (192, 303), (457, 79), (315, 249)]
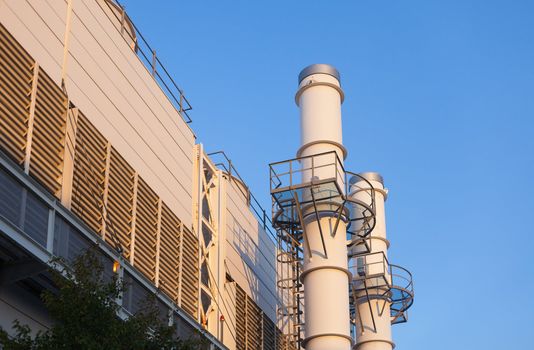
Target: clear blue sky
[(439, 99)]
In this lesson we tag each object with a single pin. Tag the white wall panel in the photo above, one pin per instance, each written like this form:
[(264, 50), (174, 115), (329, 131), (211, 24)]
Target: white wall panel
[(250, 254)]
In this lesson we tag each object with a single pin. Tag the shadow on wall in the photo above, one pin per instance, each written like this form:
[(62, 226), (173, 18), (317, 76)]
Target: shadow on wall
[(259, 263)]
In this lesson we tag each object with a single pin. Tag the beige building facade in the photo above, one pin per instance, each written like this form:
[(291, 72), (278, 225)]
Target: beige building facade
[(97, 147)]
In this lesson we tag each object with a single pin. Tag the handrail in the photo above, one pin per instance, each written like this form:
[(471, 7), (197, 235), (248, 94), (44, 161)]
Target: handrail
[(339, 170), (165, 81), (405, 276), (383, 260)]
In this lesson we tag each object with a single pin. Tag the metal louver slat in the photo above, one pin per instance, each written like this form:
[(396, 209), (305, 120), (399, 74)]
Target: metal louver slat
[(254, 325), (48, 139), (190, 272), (14, 79), (146, 225), (16, 71), (241, 318), (254, 330), (88, 178), (11, 45), (120, 203), (269, 333), (169, 262)]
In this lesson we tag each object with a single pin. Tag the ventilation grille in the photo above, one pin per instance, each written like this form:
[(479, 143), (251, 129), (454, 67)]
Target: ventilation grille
[(269, 331), (48, 141), (280, 340), (241, 318), (119, 202), (169, 258), (254, 330), (190, 273), (146, 225), (102, 179), (88, 178), (254, 325), (16, 73)]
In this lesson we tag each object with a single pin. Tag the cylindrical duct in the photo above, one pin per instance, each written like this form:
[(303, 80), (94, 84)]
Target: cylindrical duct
[(373, 331), (325, 270)]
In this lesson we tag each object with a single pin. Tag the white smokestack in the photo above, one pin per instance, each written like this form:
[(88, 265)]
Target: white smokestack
[(325, 276), (373, 324)]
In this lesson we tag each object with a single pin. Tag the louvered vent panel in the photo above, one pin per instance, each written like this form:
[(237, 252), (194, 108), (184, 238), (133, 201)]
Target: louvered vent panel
[(169, 252), (280, 340), (16, 73), (48, 141), (241, 318), (254, 325), (190, 273), (89, 170), (146, 225), (120, 202), (269, 333)]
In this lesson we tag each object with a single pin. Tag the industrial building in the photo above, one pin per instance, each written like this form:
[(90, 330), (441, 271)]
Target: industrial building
[(96, 147)]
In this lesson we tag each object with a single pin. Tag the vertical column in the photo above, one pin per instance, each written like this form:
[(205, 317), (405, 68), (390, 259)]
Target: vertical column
[(69, 156), (220, 269), (66, 43), (373, 324), (31, 118), (158, 243), (197, 220), (134, 219), (325, 272), (107, 170), (180, 265)]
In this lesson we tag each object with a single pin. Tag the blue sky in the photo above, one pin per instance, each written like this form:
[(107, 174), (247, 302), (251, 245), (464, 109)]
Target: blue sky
[(439, 99)]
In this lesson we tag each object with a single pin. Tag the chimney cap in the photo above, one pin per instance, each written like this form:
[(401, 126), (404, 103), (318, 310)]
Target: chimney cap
[(319, 68)]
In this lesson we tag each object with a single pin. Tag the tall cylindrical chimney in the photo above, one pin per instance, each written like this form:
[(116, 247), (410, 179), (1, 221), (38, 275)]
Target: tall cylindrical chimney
[(373, 325), (325, 273)]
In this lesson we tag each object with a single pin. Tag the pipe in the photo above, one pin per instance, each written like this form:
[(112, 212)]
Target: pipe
[(325, 268), (373, 331)]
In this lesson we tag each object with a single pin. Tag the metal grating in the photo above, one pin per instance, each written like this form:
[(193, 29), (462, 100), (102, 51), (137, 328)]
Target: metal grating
[(169, 257), (189, 301), (119, 202), (88, 177), (48, 141), (16, 72), (146, 226)]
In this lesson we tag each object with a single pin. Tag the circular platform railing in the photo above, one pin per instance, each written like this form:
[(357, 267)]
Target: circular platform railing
[(401, 293)]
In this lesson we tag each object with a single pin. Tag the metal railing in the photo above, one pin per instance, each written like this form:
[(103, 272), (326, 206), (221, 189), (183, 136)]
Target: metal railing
[(290, 173), (226, 164), (320, 178), (374, 272), (370, 266), (147, 55)]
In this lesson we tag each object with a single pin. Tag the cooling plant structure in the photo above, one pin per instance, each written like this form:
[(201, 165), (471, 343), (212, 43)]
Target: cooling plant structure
[(337, 288)]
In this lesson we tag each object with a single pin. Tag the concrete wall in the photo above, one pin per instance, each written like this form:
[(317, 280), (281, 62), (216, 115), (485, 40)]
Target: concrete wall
[(106, 80)]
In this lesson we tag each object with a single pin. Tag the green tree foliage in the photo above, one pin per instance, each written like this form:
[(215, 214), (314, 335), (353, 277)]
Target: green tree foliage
[(85, 312)]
